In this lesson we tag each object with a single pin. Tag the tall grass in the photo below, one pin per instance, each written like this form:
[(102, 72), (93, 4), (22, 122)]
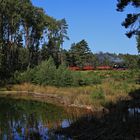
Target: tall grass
[(93, 95), (92, 88)]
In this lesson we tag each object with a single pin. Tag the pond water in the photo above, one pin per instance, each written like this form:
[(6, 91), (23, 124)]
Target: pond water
[(134, 111), (32, 120)]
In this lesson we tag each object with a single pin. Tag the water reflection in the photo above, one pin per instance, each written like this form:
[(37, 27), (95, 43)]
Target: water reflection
[(31, 120), (134, 111)]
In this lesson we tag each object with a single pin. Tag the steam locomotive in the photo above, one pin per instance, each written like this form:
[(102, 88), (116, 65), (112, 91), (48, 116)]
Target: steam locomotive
[(86, 68)]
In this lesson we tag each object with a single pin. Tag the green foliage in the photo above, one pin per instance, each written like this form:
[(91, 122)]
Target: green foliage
[(22, 28), (27, 76), (45, 74), (80, 54), (86, 79), (132, 20), (76, 79), (63, 76), (130, 61)]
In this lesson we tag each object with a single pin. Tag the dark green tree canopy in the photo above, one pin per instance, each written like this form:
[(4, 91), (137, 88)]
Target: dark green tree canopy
[(138, 43), (80, 53), (132, 21), (23, 29)]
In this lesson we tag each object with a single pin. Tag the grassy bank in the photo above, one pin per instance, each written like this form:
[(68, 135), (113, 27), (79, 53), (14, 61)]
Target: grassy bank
[(115, 85)]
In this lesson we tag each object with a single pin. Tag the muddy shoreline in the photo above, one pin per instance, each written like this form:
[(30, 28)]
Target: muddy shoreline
[(44, 97)]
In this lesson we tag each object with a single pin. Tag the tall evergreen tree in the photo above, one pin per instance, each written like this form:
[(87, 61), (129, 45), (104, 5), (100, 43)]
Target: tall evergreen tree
[(80, 54)]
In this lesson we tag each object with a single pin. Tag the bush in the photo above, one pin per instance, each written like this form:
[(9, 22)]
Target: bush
[(84, 79), (63, 77), (27, 76), (76, 76), (46, 72)]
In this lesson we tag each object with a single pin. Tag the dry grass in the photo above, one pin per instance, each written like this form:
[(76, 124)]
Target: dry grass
[(112, 91)]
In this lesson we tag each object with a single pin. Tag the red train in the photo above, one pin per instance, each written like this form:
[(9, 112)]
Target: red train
[(86, 68)]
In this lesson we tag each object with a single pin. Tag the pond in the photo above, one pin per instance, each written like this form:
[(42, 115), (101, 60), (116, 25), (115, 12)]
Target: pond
[(32, 120)]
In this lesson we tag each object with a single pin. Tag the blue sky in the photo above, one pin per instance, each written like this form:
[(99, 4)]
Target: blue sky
[(96, 21)]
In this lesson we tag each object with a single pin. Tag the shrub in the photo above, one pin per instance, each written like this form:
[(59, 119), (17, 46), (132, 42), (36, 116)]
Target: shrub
[(86, 79), (46, 72), (76, 78), (27, 76), (63, 76)]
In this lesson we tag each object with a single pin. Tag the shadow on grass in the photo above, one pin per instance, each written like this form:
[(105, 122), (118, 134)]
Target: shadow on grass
[(120, 122)]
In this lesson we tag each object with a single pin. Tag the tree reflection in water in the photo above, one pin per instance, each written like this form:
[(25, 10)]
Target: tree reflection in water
[(31, 120)]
